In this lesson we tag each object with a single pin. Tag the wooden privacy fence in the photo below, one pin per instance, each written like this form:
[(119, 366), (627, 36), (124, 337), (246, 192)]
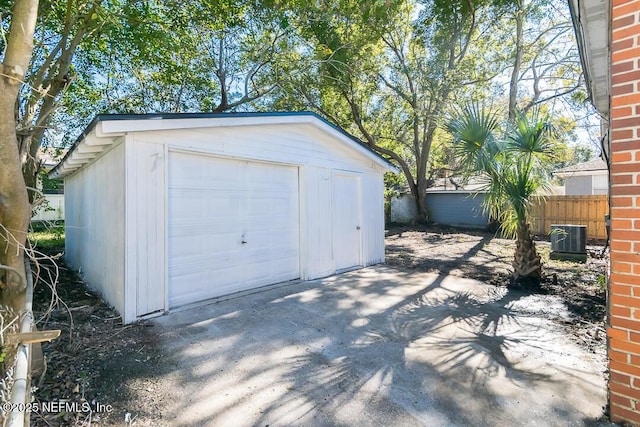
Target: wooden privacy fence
[(575, 210)]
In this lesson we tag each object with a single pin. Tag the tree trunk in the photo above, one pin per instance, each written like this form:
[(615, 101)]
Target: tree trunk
[(15, 210), (31, 164), (515, 74), (526, 261), (422, 213)]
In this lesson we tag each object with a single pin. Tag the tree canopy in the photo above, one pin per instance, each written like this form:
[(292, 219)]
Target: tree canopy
[(386, 70)]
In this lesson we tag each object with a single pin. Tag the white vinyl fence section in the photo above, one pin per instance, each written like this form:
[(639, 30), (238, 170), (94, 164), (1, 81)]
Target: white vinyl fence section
[(51, 210)]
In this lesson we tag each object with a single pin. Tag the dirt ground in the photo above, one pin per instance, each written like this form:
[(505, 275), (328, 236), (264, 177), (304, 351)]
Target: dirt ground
[(99, 368), (115, 369), (483, 256)]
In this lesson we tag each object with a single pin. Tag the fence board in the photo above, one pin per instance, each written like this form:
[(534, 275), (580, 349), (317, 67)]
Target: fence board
[(575, 210)]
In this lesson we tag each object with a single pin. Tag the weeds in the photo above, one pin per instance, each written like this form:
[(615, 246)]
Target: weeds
[(42, 237)]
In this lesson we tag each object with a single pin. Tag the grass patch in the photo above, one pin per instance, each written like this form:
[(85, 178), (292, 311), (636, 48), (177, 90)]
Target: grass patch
[(47, 237)]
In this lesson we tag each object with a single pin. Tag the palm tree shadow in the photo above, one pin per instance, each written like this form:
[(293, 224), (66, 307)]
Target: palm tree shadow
[(469, 340), (485, 331)]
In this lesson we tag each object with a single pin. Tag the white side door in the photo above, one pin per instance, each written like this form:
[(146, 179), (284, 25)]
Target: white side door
[(346, 220)]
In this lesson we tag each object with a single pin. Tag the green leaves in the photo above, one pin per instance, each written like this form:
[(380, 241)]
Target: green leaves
[(532, 134), (512, 165), (472, 127)]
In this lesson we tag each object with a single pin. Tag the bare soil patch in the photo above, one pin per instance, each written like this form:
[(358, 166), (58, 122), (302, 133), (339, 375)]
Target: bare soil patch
[(483, 256), (99, 369)]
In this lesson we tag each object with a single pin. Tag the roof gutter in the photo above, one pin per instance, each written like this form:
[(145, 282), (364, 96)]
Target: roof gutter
[(591, 26), (579, 32)]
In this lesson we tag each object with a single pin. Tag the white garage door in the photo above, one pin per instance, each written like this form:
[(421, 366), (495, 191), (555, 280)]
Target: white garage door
[(233, 225), (346, 220)]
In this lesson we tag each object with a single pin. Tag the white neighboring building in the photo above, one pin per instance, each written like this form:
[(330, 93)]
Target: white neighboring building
[(165, 210), (585, 179), (403, 208), (53, 208)]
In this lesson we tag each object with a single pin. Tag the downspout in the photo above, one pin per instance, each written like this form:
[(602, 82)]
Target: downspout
[(20, 392)]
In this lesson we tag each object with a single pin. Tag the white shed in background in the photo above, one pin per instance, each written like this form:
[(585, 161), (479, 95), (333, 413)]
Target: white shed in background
[(164, 210)]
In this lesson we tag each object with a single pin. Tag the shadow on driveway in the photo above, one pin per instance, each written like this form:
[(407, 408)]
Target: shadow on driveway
[(380, 346)]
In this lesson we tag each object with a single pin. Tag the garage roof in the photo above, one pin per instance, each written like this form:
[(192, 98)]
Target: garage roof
[(104, 128)]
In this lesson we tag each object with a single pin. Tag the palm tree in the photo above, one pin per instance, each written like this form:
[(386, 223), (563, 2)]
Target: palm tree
[(511, 167)]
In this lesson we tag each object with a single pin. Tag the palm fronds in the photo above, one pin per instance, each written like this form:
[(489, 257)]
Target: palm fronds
[(510, 164), (472, 127)]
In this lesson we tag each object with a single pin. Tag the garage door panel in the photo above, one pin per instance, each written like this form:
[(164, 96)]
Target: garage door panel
[(199, 204), (186, 246), (267, 271), (199, 244), (276, 255), (195, 226), (196, 173), (181, 294), (189, 265), (277, 238), (216, 204), (200, 228)]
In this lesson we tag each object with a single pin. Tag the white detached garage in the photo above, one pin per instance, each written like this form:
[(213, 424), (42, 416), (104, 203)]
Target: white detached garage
[(165, 210)]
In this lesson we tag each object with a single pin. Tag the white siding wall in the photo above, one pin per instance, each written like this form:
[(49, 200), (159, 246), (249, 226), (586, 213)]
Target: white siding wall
[(94, 225), (403, 209), (586, 185), (145, 228), (316, 240), (578, 185), (600, 184), (293, 144)]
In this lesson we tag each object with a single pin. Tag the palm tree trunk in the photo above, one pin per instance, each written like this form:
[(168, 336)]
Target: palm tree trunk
[(526, 261)]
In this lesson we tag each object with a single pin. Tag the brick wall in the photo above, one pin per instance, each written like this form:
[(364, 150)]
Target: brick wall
[(624, 296)]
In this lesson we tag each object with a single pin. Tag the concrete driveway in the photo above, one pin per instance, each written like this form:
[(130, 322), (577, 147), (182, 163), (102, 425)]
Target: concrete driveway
[(380, 347)]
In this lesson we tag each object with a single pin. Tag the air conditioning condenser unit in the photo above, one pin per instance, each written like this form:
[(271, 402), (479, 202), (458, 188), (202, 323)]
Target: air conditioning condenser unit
[(570, 240)]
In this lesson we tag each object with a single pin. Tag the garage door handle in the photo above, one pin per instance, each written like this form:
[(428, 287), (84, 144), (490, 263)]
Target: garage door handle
[(358, 228), (244, 242)]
